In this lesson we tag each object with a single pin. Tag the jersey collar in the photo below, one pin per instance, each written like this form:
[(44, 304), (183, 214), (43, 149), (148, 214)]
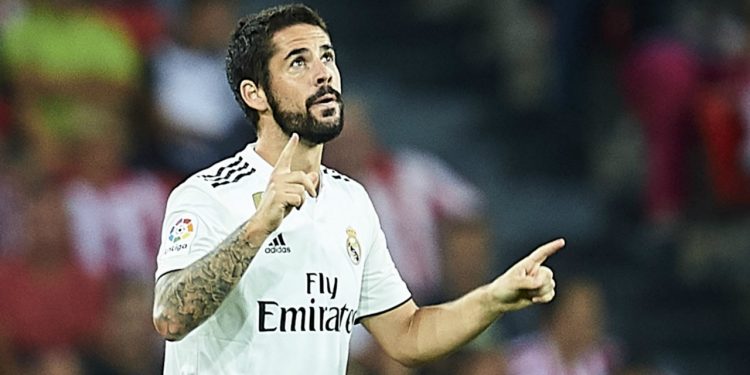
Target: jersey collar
[(260, 164), (264, 168)]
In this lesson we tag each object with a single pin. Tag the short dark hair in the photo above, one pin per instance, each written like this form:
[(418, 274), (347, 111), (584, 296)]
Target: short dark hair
[(251, 48)]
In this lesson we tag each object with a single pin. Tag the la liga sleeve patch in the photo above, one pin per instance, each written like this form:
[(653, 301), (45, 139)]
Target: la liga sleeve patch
[(180, 235)]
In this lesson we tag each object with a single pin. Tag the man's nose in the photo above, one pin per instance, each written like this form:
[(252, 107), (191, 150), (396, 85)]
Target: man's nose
[(323, 75)]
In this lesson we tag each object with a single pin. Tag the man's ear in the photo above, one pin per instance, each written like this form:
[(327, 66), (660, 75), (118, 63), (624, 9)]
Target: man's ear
[(253, 95)]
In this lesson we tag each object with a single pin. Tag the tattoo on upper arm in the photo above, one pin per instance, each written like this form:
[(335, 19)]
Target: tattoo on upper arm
[(188, 297)]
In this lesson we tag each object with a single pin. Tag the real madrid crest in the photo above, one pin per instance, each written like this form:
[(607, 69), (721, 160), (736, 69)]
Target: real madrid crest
[(352, 246)]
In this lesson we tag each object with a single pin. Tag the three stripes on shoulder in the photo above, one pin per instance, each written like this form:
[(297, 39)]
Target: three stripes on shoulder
[(229, 174)]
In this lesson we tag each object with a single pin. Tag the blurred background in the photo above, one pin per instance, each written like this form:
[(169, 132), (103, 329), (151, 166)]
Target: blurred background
[(481, 129)]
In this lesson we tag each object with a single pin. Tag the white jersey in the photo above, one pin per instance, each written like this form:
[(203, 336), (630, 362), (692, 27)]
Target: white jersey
[(323, 269)]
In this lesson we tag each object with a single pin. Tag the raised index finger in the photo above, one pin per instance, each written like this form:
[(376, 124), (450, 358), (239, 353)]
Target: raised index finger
[(545, 251), (285, 158)]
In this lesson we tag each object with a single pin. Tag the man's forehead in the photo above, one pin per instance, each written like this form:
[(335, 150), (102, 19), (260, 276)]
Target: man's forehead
[(300, 35)]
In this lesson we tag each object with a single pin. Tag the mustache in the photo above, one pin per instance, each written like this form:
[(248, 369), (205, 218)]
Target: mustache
[(322, 91)]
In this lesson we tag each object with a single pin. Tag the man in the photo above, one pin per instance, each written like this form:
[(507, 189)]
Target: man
[(269, 258)]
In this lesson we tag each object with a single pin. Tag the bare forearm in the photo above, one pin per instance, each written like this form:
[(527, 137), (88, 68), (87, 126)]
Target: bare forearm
[(435, 331), (184, 299), (413, 335)]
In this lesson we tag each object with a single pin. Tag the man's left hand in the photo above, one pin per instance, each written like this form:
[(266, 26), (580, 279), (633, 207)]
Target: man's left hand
[(526, 282)]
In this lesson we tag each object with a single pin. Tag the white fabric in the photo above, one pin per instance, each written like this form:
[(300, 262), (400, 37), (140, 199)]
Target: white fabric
[(304, 265)]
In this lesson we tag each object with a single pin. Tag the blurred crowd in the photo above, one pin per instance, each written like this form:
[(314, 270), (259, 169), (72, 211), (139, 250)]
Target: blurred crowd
[(480, 129), (105, 106)]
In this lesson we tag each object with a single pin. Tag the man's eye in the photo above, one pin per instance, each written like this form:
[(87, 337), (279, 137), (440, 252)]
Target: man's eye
[(328, 57), (298, 62)]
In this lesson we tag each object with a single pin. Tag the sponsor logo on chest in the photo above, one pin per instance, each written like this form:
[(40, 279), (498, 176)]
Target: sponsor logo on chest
[(321, 314), (325, 310)]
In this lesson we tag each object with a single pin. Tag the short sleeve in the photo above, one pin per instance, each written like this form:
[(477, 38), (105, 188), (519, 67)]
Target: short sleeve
[(192, 228), (383, 289)]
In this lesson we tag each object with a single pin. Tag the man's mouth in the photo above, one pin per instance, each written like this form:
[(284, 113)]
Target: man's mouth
[(325, 99), (326, 102)]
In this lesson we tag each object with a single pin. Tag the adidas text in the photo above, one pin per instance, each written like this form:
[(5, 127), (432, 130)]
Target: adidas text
[(278, 246), (278, 250)]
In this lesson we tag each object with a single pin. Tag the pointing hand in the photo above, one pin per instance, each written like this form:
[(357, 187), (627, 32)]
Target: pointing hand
[(526, 282), (286, 189)]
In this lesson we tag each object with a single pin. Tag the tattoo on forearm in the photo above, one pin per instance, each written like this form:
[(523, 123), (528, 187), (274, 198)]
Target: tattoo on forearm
[(188, 297)]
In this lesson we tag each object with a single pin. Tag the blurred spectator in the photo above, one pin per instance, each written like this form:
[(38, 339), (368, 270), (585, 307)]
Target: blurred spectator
[(661, 78), (684, 80), (200, 121), (61, 55), (722, 117), (49, 303), (723, 112), (116, 211), (572, 341), (429, 214)]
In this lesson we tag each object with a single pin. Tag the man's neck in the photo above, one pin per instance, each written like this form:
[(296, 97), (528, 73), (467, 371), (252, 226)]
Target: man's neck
[(306, 159)]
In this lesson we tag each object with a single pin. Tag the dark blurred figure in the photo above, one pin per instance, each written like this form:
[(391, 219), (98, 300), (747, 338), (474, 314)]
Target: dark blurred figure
[(572, 340), (199, 120), (50, 304), (644, 367), (128, 344)]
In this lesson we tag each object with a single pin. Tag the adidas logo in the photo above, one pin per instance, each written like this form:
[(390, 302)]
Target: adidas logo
[(278, 246)]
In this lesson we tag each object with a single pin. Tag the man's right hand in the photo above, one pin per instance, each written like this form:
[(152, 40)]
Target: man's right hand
[(286, 190)]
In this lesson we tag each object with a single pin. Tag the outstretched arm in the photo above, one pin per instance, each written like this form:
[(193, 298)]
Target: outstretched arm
[(186, 298), (413, 335)]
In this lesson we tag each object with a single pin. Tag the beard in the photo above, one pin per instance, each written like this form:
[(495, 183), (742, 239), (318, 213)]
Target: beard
[(310, 129)]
